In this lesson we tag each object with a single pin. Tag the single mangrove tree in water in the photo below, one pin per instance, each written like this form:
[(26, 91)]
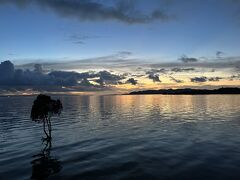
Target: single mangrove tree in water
[(43, 109)]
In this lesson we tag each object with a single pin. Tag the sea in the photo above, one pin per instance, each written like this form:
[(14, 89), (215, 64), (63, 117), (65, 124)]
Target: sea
[(114, 137)]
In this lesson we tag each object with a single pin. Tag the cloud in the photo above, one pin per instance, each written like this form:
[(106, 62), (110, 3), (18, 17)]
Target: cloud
[(17, 78), (80, 39), (176, 80), (154, 77), (205, 79), (138, 75), (186, 59), (11, 76), (124, 53), (235, 77), (226, 62), (219, 54), (89, 10), (169, 70), (100, 81), (154, 71), (199, 79), (109, 78), (72, 78), (6, 72), (120, 61), (67, 74), (85, 83), (38, 68), (153, 74), (131, 81), (237, 68), (214, 78), (182, 69), (62, 78)]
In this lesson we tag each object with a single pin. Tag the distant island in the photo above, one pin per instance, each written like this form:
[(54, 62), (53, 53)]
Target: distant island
[(189, 91)]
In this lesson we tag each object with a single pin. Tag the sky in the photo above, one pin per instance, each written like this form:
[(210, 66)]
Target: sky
[(118, 45)]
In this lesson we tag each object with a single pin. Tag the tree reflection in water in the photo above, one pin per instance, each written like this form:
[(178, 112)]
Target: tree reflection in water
[(43, 165)]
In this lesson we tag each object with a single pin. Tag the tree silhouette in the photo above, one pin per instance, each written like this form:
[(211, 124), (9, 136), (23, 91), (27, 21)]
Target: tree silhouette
[(43, 109)]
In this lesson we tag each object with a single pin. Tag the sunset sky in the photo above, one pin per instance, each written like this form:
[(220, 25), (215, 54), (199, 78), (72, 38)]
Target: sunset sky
[(118, 45)]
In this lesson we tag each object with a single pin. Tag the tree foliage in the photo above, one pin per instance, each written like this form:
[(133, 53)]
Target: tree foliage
[(43, 108)]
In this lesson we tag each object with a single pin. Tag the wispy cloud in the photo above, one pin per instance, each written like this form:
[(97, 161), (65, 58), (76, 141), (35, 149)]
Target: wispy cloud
[(176, 80), (80, 39), (124, 62)]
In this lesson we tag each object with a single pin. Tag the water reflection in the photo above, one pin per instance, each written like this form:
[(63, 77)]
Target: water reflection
[(43, 164), (124, 137)]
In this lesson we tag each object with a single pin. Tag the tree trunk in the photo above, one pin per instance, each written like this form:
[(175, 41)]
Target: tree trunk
[(49, 127), (44, 128)]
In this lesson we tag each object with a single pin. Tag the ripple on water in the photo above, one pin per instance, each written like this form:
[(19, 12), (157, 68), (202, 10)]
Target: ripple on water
[(127, 137)]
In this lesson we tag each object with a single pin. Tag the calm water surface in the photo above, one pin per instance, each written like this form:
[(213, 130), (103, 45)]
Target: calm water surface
[(124, 137)]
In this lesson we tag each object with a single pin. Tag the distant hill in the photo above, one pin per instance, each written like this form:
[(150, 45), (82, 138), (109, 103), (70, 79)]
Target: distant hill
[(189, 91)]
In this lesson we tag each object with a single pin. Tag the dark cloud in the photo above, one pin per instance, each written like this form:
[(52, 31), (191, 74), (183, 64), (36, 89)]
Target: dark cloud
[(186, 59), (219, 54), (105, 77), (38, 68), (154, 71), (85, 83), (65, 78), (237, 68), (6, 72), (214, 78), (205, 79), (154, 77), (182, 69), (89, 10), (235, 77), (109, 78), (100, 81), (153, 74), (9, 76), (199, 79), (76, 75), (131, 81), (176, 80)]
